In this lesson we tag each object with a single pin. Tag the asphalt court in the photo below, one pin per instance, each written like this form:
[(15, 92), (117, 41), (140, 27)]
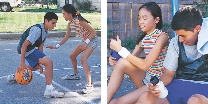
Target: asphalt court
[(13, 93)]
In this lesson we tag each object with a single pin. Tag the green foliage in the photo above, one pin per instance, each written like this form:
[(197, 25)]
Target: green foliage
[(130, 42), (205, 1), (13, 22), (166, 27), (203, 7), (84, 5), (109, 34)]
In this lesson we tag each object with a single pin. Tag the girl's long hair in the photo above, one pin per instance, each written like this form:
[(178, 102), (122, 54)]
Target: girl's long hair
[(75, 14), (155, 10)]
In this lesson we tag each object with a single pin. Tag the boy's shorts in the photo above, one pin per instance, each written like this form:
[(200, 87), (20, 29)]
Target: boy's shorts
[(93, 42), (34, 57), (180, 91)]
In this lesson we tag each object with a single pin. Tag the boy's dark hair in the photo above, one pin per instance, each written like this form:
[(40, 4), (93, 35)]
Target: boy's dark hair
[(50, 15), (155, 10), (186, 18), (70, 9)]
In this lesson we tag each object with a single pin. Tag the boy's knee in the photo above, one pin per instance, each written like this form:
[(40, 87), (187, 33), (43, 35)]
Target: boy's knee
[(46, 61), (193, 100), (197, 99)]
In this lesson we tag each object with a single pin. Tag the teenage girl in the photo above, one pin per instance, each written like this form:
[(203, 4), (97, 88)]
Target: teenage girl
[(88, 35), (153, 42)]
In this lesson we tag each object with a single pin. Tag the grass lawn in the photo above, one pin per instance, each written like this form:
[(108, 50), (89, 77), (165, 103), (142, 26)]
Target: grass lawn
[(22, 18)]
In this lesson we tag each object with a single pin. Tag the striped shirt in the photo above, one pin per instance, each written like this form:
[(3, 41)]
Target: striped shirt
[(148, 42), (76, 27)]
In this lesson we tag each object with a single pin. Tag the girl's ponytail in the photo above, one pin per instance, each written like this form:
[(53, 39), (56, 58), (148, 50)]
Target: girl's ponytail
[(79, 16)]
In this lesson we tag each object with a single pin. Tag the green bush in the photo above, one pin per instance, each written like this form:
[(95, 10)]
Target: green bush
[(130, 42), (84, 5), (203, 7)]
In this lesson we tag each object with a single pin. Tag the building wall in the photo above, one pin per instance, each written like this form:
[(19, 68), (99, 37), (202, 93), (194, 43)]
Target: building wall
[(123, 16)]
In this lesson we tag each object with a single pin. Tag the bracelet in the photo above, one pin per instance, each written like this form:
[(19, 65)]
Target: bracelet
[(57, 46), (87, 40), (123, 52)]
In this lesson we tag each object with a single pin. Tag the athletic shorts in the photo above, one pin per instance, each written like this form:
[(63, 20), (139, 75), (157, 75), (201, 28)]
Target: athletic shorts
[(180, 91), (93, 42), (34, 57)]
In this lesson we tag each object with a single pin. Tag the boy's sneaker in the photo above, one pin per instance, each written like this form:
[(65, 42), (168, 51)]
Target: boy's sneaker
[(72, 77), (11, 78), (52, 93), (89, 89)]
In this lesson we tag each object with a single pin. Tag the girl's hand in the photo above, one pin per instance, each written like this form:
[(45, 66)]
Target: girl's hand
[(112, 61), (152, 89), (51, 47), (115, 45)]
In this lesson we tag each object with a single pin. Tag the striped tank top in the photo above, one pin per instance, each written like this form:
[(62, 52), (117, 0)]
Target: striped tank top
[(76, 27), (148, 42)]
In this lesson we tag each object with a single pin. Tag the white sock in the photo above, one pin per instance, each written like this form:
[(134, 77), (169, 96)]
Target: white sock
[(49, 87)]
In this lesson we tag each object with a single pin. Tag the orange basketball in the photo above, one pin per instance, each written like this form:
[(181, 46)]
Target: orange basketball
[(24, 77)]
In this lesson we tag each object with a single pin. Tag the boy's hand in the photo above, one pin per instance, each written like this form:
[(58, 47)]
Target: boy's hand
[(40, 68), (112, 61), (152, 89), (115, 45), (22, 66), (51, 47)]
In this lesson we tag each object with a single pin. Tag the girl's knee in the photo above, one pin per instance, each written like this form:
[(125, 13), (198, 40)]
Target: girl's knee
[(144, 98), (146, 95), (71, 56), (83, 60), (122, 63)]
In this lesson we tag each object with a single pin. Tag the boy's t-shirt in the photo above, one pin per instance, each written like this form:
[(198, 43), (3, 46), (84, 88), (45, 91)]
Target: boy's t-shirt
[(171, 59), (34, 34)]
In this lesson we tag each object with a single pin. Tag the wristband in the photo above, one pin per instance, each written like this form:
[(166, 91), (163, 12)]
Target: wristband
[(123, 52), (57, 46), (87, 40)]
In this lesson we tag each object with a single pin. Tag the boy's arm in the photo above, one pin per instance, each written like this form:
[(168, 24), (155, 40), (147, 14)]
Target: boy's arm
[(167, 77), (23, 51), (41, 47)]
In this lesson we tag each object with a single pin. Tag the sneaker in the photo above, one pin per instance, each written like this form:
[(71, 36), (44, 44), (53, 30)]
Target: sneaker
[(72, 77), (52, 93), (11, 78), (89, 89)]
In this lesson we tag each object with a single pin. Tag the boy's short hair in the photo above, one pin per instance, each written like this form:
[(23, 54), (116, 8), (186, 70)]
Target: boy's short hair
[(50, 15), (186, 18)]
